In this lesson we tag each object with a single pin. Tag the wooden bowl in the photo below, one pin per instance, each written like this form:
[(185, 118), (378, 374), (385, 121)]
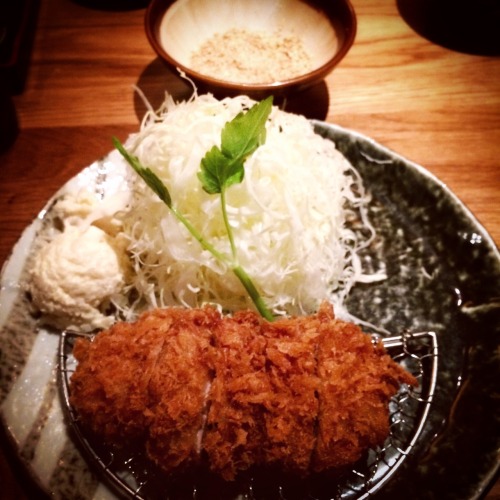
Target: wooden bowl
[(252, 47)]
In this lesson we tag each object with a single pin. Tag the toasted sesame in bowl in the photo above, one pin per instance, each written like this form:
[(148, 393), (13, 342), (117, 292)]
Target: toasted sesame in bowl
[(253, 47)]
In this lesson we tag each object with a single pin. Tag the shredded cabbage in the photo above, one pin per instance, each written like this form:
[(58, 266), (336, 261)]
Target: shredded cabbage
[(289, 214)]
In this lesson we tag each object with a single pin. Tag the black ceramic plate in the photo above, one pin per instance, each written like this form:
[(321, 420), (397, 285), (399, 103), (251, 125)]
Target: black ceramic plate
[(443, 275)]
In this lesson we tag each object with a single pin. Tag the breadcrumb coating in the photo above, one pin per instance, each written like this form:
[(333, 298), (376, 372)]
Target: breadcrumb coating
[(304, 394), (358, 380)]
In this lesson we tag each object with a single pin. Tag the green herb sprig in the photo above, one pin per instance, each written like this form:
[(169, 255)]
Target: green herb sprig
[(220, 168)]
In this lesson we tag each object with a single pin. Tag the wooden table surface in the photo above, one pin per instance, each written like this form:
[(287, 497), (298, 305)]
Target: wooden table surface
[(435, 106)]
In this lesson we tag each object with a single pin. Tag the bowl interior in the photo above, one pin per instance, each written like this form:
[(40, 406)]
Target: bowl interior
[(184, 25)]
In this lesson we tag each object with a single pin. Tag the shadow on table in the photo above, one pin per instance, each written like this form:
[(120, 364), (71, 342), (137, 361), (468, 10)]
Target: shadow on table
[(157, 80)]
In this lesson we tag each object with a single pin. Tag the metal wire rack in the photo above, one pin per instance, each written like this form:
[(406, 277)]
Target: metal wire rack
[(132, 476)]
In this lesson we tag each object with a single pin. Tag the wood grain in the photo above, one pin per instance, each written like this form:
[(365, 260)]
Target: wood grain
[(437, 107)]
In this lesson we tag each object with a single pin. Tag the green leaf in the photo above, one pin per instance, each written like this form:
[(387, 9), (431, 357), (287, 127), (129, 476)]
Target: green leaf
[(247, 131), (149, 177), (224, 166), (217, 171), (154, 182)]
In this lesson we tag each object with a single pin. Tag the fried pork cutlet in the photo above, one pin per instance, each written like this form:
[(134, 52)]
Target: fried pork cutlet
[(357, 380), (110, 386), (263, 402), (179, 386), (291, 406), (306, 394), (235, 429), (148, 380)]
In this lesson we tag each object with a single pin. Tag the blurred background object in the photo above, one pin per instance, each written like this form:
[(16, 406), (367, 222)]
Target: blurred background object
[(17, 30), (469, 26), (113, 5), (9, 127)]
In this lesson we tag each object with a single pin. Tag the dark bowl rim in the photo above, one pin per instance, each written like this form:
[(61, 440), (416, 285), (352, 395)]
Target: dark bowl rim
[(349, 31)]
